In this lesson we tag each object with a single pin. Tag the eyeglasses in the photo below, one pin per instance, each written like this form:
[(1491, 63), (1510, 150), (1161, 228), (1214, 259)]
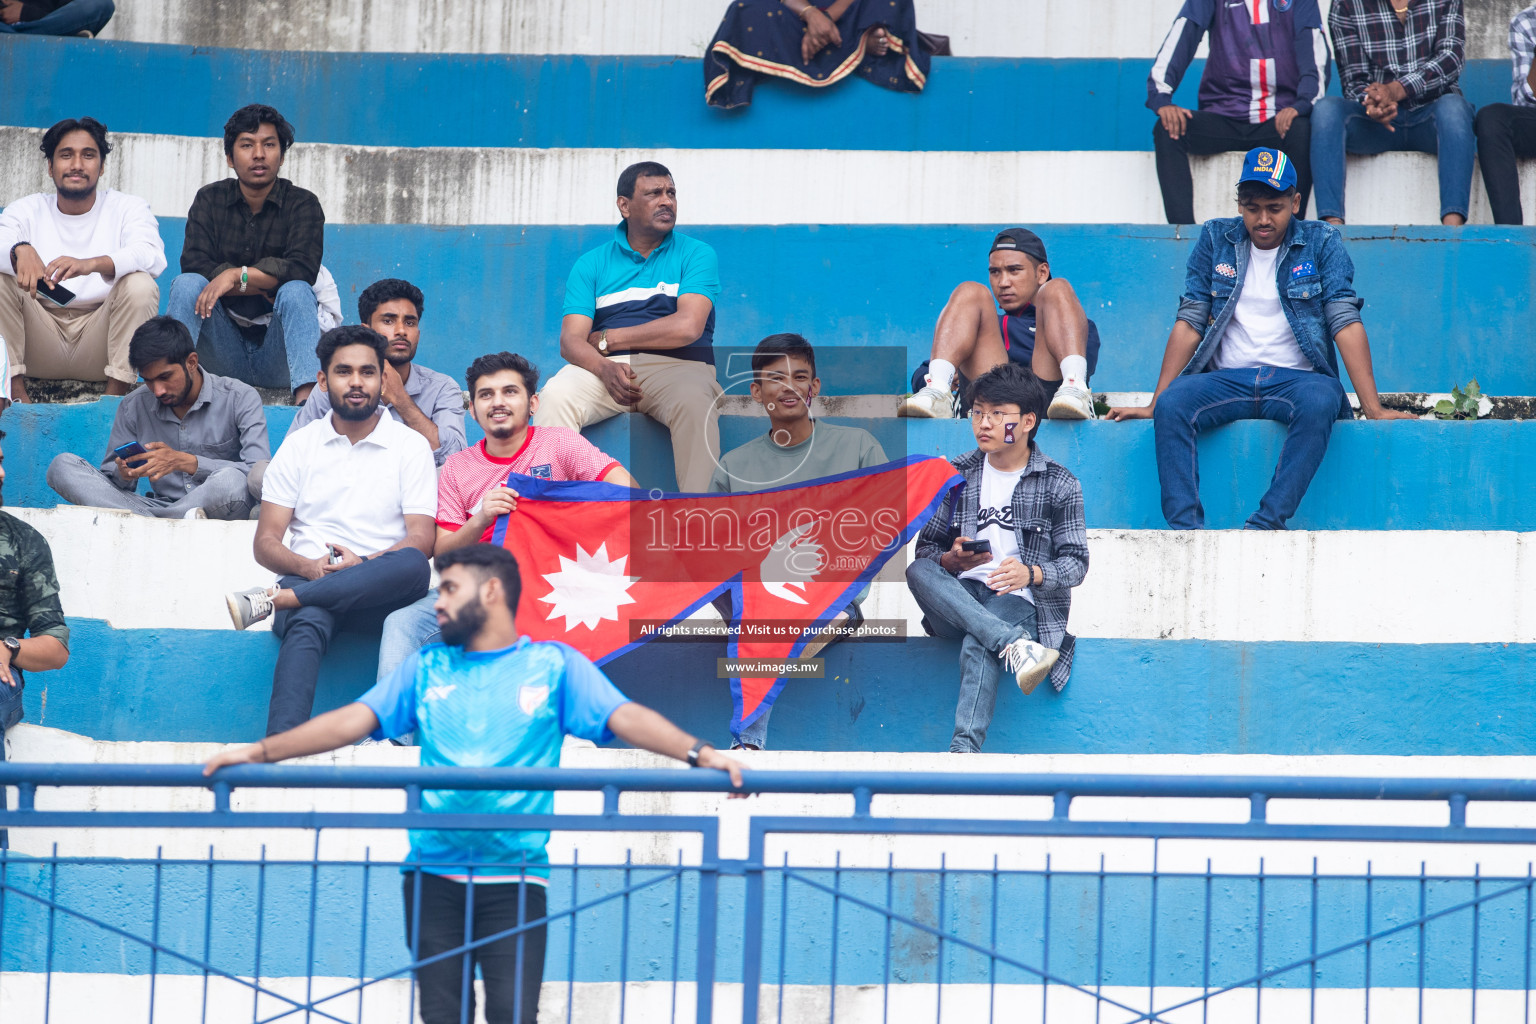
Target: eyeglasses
[(994, 417)]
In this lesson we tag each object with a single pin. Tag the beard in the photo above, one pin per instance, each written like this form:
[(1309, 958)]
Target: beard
[(186, 390), (75, 194), (462, 628), (347, 412)]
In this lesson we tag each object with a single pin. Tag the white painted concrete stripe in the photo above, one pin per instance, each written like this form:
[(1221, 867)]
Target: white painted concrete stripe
[(38, 744), (1128, 29), (376, 185), (77, 997), (1144, 584)]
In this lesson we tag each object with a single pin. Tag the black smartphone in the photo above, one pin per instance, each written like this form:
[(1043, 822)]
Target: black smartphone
[(128, 451), (55, 293), (976, 547)]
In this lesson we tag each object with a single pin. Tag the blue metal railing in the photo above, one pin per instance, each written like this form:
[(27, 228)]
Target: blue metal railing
[(798, 938)]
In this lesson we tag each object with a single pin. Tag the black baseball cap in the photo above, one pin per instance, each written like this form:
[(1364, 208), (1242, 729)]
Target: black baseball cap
[(1020, 240)]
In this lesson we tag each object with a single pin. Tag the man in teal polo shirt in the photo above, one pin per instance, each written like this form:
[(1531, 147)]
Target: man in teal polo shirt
[(639, 327)]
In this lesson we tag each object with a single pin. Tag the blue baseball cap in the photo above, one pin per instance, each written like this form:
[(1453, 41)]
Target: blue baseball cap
[(1269, 167)]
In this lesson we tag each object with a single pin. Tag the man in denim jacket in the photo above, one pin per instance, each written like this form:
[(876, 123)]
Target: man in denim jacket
[(1266, 298), (1008, 603)]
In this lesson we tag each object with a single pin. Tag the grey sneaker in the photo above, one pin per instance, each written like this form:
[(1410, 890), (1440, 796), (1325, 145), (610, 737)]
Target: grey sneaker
[(1072, 401), (248, 607), (928, 404), (1029, 662)]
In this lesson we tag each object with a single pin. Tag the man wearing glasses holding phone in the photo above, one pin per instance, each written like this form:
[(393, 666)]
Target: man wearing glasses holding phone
[(996, 565), (78, 268)]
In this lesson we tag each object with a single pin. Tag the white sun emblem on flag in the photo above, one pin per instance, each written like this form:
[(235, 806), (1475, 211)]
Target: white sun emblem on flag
[(588, 589)]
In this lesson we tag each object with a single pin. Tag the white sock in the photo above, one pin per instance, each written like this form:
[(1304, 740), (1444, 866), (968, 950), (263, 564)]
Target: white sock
[(1074, 368), (941, 373)]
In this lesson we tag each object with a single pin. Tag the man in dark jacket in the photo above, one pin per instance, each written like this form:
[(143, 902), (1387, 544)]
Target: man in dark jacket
[(1267, 296), (1268, 64)]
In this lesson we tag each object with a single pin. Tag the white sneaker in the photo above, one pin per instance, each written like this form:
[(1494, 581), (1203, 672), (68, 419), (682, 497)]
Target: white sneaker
[(195, 513), (1029, 662), (928, 404), (1072, 401), (248, 607)]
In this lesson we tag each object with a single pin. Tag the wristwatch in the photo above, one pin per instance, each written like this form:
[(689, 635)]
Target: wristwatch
[(13, 645), (245, 278), (602, 341), (694, 752)]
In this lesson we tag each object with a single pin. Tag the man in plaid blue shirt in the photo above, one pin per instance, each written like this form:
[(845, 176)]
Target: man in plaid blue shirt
[(1507, 131), (1399, 65)]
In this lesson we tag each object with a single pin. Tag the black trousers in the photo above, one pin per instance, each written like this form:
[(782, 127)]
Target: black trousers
[(1505, 133), (1212, 133), (512, 968), (357, 598)]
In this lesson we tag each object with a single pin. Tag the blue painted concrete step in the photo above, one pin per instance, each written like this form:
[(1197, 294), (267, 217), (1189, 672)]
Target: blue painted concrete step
[(1414, 475), (1125, 697), (583, 101), (1465, 317)]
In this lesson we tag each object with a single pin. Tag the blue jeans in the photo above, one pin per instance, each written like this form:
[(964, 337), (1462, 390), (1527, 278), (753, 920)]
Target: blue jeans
[(73, 18), (1444, 127), (406, 631), (284, 356), (1306, 402), (984, 622)]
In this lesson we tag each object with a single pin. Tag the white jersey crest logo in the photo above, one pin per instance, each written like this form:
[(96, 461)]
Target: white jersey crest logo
[(531, 698)]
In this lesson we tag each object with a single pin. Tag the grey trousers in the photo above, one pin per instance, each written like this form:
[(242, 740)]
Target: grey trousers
[(222, 496)]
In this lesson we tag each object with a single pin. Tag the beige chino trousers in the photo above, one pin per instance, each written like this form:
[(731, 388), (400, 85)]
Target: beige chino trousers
[(61, 343), (680, 394)]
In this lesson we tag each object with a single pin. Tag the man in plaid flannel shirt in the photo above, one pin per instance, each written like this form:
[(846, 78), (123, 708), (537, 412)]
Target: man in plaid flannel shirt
[(1008, 602), (1507, 131), (1399, 65)]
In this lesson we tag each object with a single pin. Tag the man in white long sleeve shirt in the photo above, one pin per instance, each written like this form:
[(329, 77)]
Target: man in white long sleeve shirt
[(102, 246)]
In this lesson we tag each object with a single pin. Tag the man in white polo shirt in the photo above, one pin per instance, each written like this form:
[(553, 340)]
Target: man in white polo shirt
[(356, 495)]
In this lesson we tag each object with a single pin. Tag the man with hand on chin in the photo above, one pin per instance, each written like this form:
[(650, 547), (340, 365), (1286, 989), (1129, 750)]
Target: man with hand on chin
[(472, 491), (639, 328), (354, 493), (250, 261), (1267, 297), (484, 698)]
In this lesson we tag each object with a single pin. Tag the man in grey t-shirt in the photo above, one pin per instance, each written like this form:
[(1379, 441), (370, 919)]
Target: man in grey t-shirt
[(200, 435), (795, 449)]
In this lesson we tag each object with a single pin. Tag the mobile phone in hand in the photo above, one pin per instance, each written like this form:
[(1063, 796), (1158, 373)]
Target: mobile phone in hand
[(976, 547), (55, 293), (127, 452), (335, 554)]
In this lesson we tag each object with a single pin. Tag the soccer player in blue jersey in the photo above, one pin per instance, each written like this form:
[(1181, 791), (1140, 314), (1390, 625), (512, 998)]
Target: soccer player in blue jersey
[(485, 697)]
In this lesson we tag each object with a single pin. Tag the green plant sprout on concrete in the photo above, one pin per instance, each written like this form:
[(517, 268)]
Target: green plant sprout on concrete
[(1462, 405)]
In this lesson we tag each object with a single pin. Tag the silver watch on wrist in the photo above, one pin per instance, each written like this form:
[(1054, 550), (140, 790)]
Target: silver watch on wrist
[(13, 645)]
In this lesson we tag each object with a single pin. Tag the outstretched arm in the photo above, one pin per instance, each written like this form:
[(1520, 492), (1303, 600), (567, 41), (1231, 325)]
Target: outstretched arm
[(330, 731), (641, 727), (1182, 343), (1356, 350)]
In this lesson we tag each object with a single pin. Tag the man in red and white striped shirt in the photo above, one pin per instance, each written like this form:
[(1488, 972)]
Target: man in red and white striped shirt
[(1268, 65), (472, 489)]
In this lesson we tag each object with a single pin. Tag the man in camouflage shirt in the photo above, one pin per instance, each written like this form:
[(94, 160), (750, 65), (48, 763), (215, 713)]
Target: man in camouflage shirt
[(33, 636)]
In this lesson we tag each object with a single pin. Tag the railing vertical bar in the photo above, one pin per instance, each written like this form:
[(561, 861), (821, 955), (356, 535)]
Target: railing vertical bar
[(1370, 929), (415, 936), (1422, 883), (677, 934), (53, 899), (938, 1015), (1098, 952), (467, 961), (154, 929), (1205, 959), (784, 935), (1477, 922), (314, 904), (362, 931), (5, 865), (207, 934), (624, 938), (1258, 987), (992, 951), (885, 995), (261, 903), (1045, 953), (570, 952), (1152, 937), (837, 904), (1527, 999), (522, 918), (1312, 952), (709, 916)]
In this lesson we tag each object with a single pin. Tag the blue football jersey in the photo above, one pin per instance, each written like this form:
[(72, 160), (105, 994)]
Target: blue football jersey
[(492, 709)]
